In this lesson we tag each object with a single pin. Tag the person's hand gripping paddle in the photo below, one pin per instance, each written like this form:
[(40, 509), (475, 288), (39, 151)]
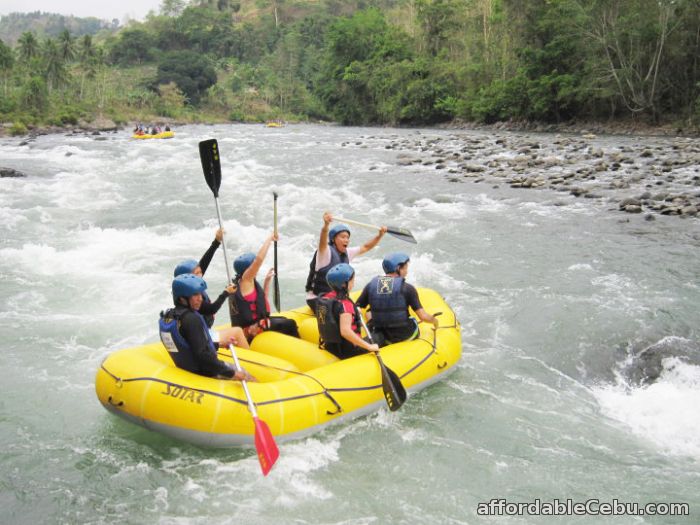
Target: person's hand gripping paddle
[(394, 392)]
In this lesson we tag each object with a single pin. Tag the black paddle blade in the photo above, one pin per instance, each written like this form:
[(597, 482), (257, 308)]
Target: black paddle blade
[(394, 392), (211, 165), (401, 233), (276, 293)]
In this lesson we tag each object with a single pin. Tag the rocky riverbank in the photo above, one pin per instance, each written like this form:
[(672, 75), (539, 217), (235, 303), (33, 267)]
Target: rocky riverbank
[(95, 127), (651, 175)]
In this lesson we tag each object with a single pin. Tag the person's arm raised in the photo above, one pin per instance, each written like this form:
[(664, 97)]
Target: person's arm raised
[(323, 239), (373, 241), (251, 272)]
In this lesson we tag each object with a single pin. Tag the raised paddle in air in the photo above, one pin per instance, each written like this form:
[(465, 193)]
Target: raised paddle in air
[(399, 233), (276, 282), (264, 440)]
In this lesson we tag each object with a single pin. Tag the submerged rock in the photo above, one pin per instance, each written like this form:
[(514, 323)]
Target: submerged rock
[(10, 172), (647, 364)]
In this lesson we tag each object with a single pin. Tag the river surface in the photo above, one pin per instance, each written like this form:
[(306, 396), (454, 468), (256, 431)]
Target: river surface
[(564, 306)]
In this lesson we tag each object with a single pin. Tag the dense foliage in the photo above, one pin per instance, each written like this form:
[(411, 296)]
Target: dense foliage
[(368, 62)]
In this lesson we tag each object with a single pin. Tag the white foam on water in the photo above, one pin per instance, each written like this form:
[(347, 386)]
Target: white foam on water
[(580, 267), (10, 220), (453, 210), (664, 412)]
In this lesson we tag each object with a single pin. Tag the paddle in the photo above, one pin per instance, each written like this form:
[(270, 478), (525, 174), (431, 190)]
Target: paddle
[(394, 392), (276, 282), (264, 440), (399, 233)]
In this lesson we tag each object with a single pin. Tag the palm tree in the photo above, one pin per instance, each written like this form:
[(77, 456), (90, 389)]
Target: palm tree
[(66, 44), (7, 60), (90, 58), (54, 64), (28, 46)]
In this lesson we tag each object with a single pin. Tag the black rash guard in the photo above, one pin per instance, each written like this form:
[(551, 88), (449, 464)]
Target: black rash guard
[(207, 361), (208, 308)]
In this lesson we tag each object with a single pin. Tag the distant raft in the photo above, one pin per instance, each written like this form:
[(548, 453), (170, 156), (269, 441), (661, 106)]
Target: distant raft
[(301, 389), (161, 135)]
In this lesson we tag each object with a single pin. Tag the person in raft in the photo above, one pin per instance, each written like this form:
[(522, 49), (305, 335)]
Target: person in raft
[(250, 308), (333, 249), (185, 334), (209, 309), (388, 298), (338, 317)]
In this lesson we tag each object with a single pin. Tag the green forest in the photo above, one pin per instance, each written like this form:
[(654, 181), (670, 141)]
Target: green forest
[(390, 62)]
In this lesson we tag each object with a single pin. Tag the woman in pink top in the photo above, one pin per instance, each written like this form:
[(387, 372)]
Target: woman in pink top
[(250, 309)]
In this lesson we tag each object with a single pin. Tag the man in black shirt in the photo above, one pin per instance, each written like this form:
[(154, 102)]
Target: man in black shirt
[(185, 333), (389, 298)]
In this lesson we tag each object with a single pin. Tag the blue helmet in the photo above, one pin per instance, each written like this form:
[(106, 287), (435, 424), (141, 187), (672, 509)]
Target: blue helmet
[(392, 261), (338, 276), (187, 285), (336, 229), (186, 266), (242, 262)]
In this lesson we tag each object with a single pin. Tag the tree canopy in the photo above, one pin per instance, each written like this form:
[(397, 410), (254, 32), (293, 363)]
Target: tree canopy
[(375, 61)]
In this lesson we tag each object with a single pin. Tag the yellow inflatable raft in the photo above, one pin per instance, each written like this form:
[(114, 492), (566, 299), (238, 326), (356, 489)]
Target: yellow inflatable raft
[(300, 390), (161, 135)]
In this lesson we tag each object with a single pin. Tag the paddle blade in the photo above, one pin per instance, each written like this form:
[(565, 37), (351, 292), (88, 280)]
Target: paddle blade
[(265, 445), (211, 165), (276, 293), (401, 233), (394, 392)]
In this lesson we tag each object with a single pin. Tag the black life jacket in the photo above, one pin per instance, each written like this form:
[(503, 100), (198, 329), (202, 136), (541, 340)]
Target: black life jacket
[(328, 310), (241, 311), (388, 304), (176, 345), (328, 319), (316, 281)]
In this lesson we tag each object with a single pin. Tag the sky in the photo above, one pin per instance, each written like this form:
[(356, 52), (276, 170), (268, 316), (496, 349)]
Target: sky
[(107, 10)]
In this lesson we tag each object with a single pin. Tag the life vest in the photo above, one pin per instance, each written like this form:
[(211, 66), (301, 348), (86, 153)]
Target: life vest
[(316, 281), (328, 310), (176, 345), (240, 309), (328, 318), (388, 304)]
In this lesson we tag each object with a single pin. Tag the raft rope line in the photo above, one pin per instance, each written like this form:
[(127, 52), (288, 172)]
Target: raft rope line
[(326, 391)]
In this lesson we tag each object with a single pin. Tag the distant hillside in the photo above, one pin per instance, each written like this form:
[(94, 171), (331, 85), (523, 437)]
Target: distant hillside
[(49, 24)]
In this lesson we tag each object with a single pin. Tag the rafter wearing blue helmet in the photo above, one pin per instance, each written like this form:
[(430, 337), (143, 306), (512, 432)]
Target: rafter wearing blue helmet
[(208, 309), (250, 308), (389, 297), (338, 317), (185, 334), (333, 248), (199, 268)]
